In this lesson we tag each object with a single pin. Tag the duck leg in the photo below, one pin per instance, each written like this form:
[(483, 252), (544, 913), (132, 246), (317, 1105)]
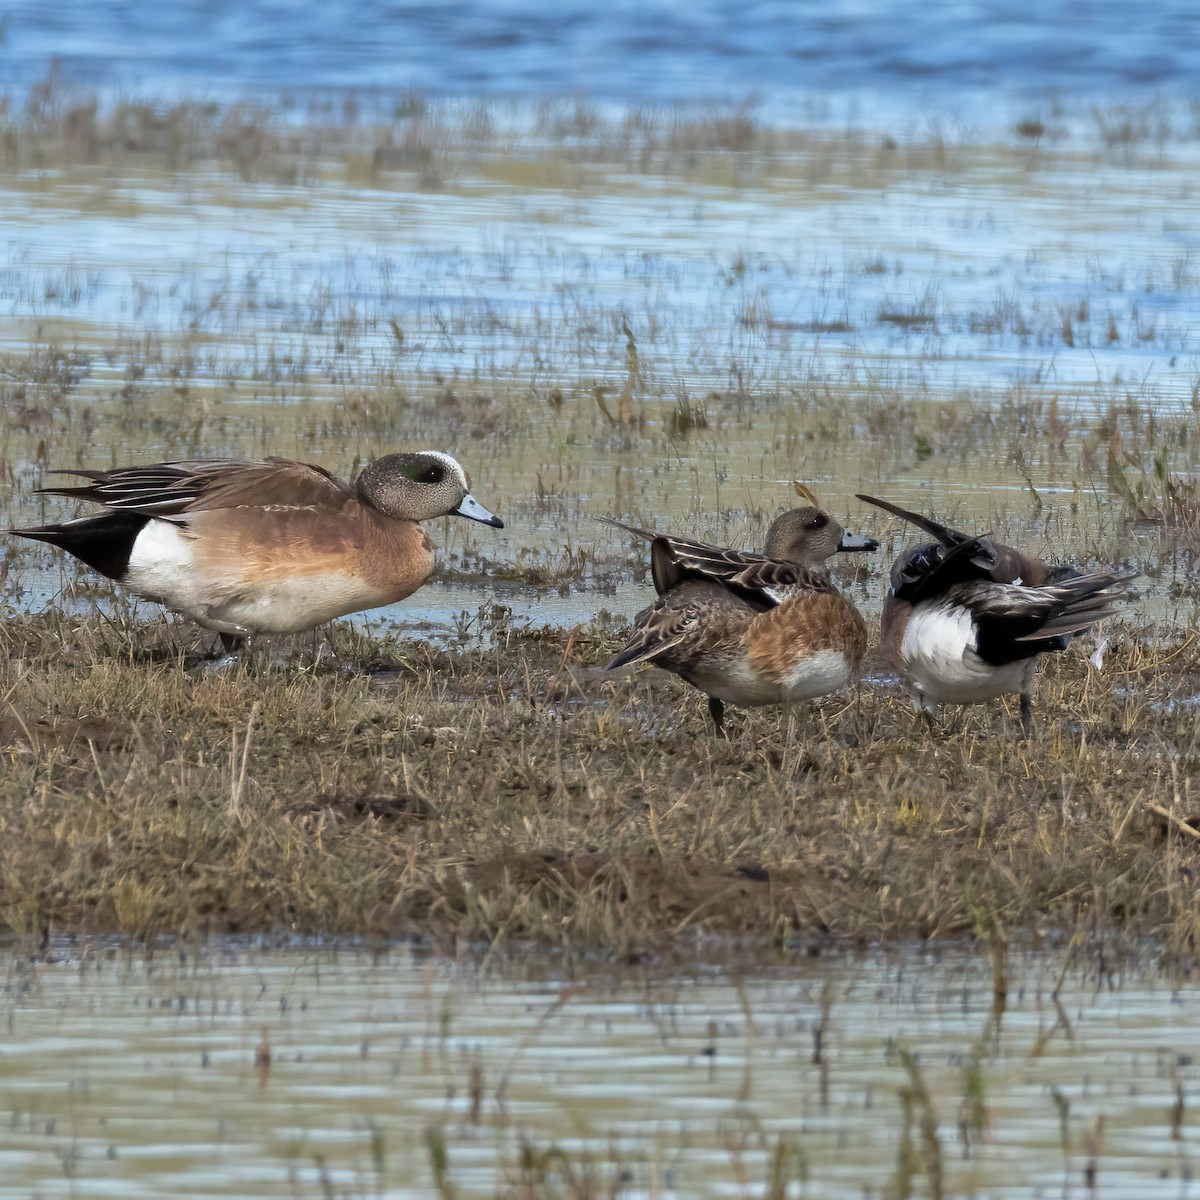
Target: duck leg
[(222, 657), (923, 712), (1026, 714), (231, 643)]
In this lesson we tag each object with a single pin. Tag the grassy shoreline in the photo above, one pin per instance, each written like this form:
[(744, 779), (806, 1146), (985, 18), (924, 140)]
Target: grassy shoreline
[(495, 280), (513, 792)]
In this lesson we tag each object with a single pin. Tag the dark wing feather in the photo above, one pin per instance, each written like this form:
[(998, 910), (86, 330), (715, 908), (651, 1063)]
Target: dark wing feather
[(161, 485), (662, 627), (1015, 621), (1081, 602), (735, 568), (663, 568), (923, 571), (746, 574), (1002, 563), (928, 571)]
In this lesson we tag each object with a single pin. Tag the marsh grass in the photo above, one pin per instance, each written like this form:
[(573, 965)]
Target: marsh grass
[(1118, 464), (571, 401), (55, 124), (1155, 496), (511, 791), (514, 793)]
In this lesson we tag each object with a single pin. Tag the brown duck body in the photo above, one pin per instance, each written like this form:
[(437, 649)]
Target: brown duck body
[(268, 546), (720, 625), (810, 644), (278, 570)]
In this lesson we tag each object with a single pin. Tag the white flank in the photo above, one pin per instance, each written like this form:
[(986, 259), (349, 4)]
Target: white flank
[(819, 674), (290, 604), (735, 680), (939, 656), (161, 566)]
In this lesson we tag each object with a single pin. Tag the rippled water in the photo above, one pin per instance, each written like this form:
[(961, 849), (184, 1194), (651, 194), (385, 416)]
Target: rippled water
[(943, 284), (250, 1072), (878, 53)]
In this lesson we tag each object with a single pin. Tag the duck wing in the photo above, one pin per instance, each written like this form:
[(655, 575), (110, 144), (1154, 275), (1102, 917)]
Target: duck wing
[(667, 625), (747, 575), (1004, 564), (1015, 621), (173, 489), (944, 534)]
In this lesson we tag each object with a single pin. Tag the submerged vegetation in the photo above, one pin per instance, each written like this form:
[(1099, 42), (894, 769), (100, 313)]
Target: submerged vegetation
[(364, 1071)]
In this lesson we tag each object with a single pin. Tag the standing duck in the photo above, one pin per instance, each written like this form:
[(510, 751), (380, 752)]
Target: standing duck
[(966, 618), (266, 546), (719, 624)]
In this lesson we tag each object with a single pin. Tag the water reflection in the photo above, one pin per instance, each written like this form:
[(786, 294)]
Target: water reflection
[(238, 1071)]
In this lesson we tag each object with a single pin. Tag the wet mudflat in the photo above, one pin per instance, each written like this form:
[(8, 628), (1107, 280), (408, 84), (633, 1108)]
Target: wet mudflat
[(511, 791), (589, 947)]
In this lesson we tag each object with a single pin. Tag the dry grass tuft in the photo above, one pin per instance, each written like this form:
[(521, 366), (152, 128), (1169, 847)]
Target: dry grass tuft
[(515, 792)]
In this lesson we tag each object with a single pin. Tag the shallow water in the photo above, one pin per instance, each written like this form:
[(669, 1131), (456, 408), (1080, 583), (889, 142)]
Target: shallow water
[(944, 284), (126, 1076), (939, 254)]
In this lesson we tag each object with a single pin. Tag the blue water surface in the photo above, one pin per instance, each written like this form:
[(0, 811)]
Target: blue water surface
[(789, 54)]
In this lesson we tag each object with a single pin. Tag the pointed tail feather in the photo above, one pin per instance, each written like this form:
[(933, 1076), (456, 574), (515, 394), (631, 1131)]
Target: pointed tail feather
[(104, 542), (645, 534), (1085, 601), (644, 646), (943, 533)]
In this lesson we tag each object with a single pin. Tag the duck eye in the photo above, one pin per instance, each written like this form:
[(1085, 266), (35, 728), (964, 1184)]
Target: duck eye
[(817, 521), (432, 475)]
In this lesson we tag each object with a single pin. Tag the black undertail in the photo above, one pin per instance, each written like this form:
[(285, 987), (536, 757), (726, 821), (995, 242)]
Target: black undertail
[(104, 542)]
